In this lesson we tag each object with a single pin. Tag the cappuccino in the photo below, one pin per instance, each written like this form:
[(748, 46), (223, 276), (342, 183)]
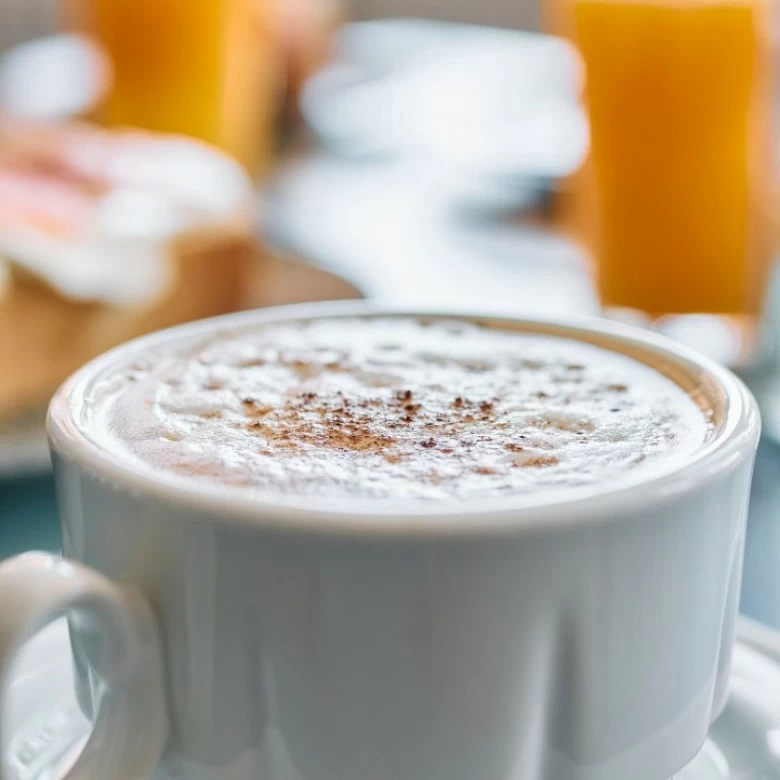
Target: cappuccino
[(389, 407)]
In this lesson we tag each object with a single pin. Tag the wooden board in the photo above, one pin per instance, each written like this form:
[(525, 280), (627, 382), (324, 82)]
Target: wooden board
[(281, 280)]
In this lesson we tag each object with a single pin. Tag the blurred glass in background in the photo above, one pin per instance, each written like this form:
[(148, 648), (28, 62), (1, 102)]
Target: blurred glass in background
[(215, 70), (679, 98)]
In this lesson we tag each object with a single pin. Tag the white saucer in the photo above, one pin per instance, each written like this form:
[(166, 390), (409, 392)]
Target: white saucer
[(44, 728)]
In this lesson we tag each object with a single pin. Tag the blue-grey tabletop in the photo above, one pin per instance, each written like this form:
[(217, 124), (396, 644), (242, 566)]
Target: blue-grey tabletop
[(28, 515), (761, 574)]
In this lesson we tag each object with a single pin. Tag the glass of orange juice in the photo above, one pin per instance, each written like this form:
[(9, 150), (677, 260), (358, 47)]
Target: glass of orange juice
[(203, 68), (679, 100)]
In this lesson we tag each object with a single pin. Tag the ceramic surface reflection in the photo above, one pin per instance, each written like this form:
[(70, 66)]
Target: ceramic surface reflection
[(743, 744)]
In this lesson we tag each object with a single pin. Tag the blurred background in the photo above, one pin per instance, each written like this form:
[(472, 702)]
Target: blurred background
[(165, 160)]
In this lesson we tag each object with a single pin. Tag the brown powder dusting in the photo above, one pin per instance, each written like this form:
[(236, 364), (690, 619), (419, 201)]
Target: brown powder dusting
[(538, 461), (254, 409)]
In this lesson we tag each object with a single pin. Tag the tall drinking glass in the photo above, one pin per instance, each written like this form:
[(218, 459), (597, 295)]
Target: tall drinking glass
[(679, 99), (203, 68)]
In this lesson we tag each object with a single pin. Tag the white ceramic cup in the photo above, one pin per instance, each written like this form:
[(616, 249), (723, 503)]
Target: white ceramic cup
[(584, 635)]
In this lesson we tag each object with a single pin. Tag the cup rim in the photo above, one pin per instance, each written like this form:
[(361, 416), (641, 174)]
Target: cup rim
[(733, 443)]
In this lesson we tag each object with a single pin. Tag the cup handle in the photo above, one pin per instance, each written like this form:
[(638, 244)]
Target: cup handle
[(122, 643)]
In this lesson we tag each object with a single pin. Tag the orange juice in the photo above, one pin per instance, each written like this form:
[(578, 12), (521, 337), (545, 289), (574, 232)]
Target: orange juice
[(678, 99), (204, 68)]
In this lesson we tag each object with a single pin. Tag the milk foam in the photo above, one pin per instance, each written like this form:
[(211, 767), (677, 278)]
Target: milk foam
[(391, 408)]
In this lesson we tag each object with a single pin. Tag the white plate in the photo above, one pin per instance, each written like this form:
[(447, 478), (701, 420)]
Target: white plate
[(52, 78), (44, 728), (23, 449)]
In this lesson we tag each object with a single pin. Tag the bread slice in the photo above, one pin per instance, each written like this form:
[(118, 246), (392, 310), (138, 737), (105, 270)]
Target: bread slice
[(67, 264)]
